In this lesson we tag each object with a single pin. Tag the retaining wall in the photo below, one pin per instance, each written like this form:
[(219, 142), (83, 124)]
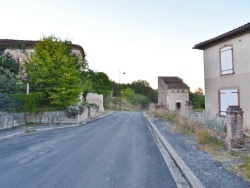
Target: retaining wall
[(58, 117)]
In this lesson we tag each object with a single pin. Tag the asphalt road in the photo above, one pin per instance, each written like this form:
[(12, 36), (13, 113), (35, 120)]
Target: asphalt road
[(115, 151)]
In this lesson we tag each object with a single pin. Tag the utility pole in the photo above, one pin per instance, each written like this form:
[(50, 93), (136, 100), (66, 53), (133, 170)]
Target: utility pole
[(120, 105)]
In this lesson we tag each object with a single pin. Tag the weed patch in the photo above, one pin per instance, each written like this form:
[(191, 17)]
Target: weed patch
[(208, 141), (245, 166)]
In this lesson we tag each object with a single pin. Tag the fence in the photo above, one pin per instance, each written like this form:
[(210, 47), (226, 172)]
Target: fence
[(212, 122)]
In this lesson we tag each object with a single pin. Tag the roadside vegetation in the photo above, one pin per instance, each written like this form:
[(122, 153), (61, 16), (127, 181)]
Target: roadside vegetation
[(239, 160), (56, 77)]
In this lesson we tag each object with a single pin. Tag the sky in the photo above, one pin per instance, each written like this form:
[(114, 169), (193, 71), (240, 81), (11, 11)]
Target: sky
[(143, 38)]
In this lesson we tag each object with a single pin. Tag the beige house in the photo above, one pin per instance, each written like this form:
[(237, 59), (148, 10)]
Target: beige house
[(173, 93), (227, 72)]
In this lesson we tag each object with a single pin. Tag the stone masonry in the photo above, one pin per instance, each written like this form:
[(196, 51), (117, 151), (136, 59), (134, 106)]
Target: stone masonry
[(235, 139)]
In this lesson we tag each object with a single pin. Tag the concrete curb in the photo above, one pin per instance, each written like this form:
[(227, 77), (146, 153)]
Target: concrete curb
[(186, 171), (34, 130)]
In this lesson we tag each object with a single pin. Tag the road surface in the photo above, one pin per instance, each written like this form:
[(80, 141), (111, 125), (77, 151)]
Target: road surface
[(115, 151)]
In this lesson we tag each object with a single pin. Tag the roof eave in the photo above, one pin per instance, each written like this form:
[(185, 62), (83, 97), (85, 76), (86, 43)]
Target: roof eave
[(245, 29)]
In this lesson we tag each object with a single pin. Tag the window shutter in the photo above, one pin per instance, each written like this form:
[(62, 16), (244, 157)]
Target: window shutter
[(226, 60), (228, 98)]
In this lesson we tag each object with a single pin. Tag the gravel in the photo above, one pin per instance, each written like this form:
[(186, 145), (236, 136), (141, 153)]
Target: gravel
[(209, 171)]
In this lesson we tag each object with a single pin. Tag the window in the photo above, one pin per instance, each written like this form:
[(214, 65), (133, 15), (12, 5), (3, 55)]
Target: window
[(178, 105), (228, 97), (226, 60)]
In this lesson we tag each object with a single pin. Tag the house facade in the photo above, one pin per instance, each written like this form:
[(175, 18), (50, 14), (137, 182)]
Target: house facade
[(173, 93), (227, 72)]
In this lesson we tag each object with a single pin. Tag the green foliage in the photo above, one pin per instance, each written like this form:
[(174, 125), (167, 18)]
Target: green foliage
[(10, 78), (10, 83), (7, 62), (135, 98), (171, 116), (128, 93), (142, 87), (54, 71), (198, 99), (96, 82), (74, 110), (33, 102)]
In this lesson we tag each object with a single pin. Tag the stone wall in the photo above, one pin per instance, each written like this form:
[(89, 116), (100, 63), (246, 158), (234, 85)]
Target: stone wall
[(58, 117), (95, 99)]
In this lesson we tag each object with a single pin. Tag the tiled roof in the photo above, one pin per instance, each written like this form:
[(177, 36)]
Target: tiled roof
[(174, 82), (15, 44), (245, 29)]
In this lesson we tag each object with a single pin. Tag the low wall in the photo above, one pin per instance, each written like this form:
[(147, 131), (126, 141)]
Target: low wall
[(58, 117)]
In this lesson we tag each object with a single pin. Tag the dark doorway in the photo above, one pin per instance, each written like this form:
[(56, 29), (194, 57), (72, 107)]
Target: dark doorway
[(178, 105)]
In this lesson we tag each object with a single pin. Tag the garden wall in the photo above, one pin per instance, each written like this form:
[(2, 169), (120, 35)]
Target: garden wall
[(58, 117)]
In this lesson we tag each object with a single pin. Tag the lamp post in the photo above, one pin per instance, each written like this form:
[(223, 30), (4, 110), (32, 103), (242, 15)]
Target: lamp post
[(120, 105)]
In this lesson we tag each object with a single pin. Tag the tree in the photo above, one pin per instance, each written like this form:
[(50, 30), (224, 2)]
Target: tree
[(197, 98), (54, 71), (7, 62), (11, 85), (97, 82), (143, 87), (135, 98)]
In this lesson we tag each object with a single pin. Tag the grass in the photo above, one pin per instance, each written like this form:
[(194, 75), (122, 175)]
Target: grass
[(245, 167), (208, 141)]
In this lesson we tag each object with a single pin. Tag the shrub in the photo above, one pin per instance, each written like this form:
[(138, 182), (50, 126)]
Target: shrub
[(76, 109)]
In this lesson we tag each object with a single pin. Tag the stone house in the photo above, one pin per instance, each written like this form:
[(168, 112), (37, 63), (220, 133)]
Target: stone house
[(173, 93), (19, 49), (227, 72)]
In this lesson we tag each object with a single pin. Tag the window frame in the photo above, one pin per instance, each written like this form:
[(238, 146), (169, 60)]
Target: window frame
[(226, 60)]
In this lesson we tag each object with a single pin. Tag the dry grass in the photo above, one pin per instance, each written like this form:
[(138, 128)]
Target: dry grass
[(208, 141)]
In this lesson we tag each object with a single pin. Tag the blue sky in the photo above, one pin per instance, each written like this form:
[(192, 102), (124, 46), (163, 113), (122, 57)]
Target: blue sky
[(145, 39)]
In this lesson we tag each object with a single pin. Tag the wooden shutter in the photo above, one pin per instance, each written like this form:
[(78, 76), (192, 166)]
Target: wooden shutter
[(228, 97), (226, 59)]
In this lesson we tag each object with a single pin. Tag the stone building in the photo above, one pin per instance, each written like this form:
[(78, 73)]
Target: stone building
[(173, 93), (20, 49)]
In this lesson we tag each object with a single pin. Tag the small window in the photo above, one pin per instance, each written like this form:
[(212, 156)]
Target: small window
[(226, 60), (228, 97), (178, 105)]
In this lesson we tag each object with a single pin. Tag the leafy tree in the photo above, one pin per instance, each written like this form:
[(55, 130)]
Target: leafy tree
[(128, 93), (135, 98), (197, 98), (97, 82), (54, 71), (7, 62), (143, 87), (10, 83)]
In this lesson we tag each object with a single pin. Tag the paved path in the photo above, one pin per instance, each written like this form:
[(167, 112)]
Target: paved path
[(115, 151)]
